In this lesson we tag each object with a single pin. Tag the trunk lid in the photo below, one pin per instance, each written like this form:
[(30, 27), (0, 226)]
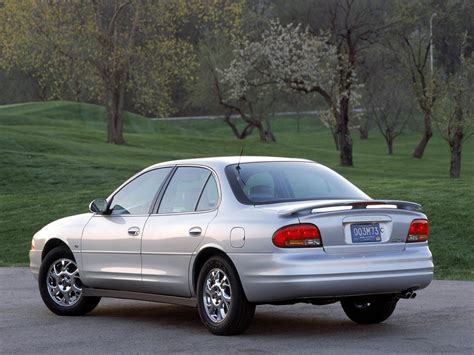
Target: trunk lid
[(357, 226)]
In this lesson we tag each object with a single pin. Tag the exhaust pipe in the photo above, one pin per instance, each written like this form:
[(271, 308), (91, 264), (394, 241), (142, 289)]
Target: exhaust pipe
[(408, 294)]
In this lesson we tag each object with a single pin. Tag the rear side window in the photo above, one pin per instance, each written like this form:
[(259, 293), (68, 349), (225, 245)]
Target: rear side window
[(184, 190), (209, 196)]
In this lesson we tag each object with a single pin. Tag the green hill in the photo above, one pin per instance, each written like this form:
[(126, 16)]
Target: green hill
[(54, 161)]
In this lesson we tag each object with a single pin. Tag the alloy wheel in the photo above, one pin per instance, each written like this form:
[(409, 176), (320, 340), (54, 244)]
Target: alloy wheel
[(63, 282), (217, 295)]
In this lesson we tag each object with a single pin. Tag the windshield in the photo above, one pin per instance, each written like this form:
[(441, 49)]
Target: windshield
[(272, 182)]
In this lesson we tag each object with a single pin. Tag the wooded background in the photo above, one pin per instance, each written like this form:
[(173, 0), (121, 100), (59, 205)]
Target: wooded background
[(372, 66)]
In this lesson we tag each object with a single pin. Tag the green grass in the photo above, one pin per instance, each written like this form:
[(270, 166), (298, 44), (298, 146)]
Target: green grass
[(53, 162)]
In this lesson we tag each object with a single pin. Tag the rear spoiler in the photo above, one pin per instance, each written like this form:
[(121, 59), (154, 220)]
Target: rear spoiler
[(353, 205)]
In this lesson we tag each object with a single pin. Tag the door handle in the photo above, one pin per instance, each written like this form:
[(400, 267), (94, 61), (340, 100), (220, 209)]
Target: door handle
[(195, 231), (134, 231)]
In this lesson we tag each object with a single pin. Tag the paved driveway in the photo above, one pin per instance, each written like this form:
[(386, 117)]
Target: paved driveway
[(440, 319)]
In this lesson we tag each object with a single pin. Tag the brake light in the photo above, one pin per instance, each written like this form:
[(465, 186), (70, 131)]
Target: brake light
[(297, 236), (418, 231)]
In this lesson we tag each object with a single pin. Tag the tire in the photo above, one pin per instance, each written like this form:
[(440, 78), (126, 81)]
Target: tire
[(369, 310), (60, 286), (222, 305)]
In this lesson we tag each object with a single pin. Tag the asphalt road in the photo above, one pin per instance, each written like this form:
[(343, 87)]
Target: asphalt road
[(439, 320)]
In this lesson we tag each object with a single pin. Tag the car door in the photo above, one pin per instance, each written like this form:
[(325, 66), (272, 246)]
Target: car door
[(173, 233), (111, 242)]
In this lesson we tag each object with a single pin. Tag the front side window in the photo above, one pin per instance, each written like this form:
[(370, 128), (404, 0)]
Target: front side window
[(136, 197), (184, 190), (262, 183)]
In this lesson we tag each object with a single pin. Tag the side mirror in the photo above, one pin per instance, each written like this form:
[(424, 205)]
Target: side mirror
[(99, 205)]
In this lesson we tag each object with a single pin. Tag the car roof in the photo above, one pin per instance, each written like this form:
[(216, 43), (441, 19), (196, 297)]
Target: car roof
[(221, 162)]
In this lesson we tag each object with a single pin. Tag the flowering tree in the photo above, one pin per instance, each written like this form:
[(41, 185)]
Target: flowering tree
[(292, 58)]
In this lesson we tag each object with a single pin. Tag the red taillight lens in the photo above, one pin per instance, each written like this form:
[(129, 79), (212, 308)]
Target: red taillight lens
[(418, 231), (297, 236)]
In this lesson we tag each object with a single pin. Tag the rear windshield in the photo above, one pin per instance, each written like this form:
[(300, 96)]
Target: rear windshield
[(272, 182)]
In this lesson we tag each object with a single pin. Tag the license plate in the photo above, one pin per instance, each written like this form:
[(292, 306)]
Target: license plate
[(365, 233)]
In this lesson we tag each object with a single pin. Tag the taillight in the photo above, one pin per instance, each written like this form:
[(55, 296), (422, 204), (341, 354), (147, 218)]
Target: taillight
[(297, 236), (418, 231)]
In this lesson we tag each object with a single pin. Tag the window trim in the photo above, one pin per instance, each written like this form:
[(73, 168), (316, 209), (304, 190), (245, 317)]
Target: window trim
[(133, 178), (157, 204)]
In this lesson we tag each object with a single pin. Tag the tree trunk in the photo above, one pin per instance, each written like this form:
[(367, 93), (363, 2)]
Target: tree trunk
[(264, 131), (343, 134), (456, 146), (233, 126), (390, 146), (427, 134), (334, 136), (364, 128), (455, 166), (268, 130), (115, 103), (261, 132)]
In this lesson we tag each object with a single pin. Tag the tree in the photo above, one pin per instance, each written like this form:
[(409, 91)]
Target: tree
[(390, 112), (214, 88), (109, 48), (283, 56), (386, 95), (413, 48), (455, 110), (352, 27)]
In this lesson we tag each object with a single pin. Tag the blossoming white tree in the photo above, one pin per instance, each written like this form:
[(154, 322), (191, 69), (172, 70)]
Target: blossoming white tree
[(292, 58)]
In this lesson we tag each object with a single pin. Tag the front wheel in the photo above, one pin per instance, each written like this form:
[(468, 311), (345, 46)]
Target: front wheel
[(60, 285), (222, 304), (369, 310)]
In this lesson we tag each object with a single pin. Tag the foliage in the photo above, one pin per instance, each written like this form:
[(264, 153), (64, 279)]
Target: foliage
[(216, 87), (283, 58), (108, 49)]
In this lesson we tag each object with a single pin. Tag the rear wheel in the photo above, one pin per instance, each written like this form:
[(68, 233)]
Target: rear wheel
[(60, 284), (369, 310), (222, 304)]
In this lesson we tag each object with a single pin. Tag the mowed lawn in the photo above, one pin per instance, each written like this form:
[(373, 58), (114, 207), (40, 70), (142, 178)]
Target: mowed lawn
[(54, 161)]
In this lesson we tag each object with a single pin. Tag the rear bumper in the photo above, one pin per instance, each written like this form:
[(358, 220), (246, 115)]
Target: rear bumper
[(314, 274), (35, 262)]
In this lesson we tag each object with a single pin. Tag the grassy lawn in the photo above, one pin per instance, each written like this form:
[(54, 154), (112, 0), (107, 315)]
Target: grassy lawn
[(53, 162)]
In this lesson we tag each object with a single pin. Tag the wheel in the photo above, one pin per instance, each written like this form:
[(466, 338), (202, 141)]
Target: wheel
[(60, 285), (222, 304), (369, 310)]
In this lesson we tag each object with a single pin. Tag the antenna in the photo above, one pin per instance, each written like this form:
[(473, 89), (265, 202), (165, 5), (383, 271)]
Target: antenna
[(240, 157)]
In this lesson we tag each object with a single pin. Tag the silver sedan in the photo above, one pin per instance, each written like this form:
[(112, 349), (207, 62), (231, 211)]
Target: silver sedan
[(226, 234)]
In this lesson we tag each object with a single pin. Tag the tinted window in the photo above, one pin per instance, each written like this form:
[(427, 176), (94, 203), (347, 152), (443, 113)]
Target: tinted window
[(184, 189), (258, 183), (209, 196), (137, 196)]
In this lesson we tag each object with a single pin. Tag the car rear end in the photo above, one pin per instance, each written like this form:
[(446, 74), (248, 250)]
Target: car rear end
[(332, 240), (362, 248)]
